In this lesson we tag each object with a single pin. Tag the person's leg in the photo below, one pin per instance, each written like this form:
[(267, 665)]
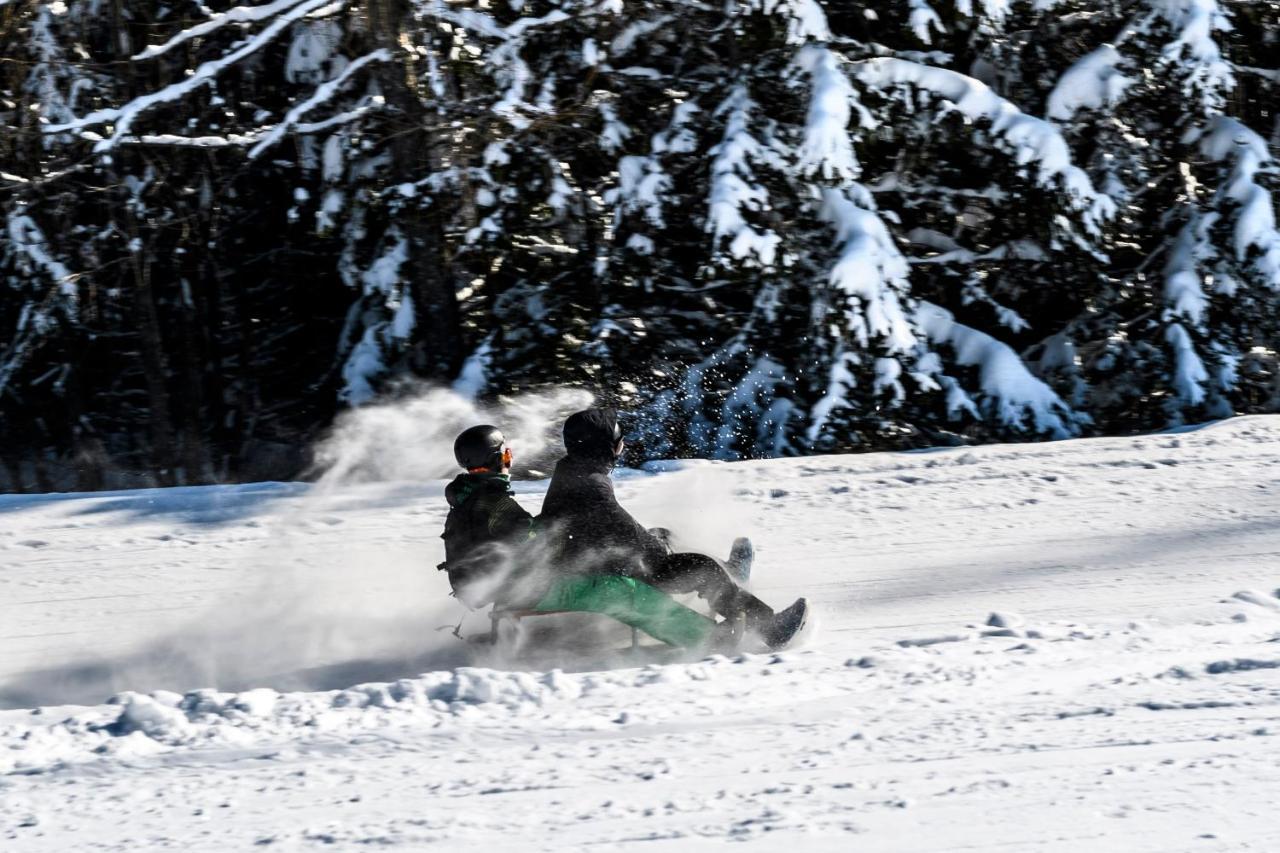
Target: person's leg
[(683, 573), (663, 535), (631, 602)]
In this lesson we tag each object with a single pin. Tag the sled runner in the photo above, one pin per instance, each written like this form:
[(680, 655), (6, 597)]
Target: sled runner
[(513, 616)]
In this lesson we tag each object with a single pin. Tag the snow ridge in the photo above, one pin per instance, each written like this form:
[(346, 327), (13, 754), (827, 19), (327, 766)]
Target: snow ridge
[(134, 725)]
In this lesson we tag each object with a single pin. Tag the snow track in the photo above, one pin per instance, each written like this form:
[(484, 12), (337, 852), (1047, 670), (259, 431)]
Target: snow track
[(278, 678)]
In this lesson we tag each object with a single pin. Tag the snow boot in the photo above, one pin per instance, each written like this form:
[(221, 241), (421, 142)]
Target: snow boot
[(741, 556), (785, 625)]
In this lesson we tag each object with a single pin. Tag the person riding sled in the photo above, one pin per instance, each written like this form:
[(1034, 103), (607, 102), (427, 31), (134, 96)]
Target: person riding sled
[(494, 555), (486, 527), (592, 534)]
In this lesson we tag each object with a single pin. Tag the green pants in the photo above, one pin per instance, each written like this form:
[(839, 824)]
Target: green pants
[(633, 603)]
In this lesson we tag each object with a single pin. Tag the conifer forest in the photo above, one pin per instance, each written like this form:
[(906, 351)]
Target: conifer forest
[(758, 227)]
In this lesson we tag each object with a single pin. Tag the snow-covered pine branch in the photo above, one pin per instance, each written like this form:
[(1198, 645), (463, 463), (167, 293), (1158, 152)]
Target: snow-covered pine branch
[(382, 287), (1193, 53), (805, 19), (924, 21), (52, 69), (734, 187), (1255, 238), (323, 93), (1186, 303), (504, 60), (1032, 141), (1094, 82), (1272, 74), (827, 148), (122, 118), (752, 418), (27, 249), (755, 415), (29, 241), (230, 140), (870, 273), (1009, 391), (642, 180), (870, 286), (235, 15)]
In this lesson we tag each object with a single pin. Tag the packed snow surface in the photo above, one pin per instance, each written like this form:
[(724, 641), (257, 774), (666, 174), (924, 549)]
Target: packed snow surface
[(1067, 646)]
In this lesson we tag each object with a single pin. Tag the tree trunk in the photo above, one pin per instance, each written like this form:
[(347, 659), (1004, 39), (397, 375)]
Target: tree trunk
[(417, 149), (154, 369), (194, 344)]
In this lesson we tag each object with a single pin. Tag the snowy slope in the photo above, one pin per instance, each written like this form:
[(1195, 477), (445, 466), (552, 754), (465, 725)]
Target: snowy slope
[(1130, 701)]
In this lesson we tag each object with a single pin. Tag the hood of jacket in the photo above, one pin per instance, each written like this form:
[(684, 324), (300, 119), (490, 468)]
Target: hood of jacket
[(591, 434), (465, 485)]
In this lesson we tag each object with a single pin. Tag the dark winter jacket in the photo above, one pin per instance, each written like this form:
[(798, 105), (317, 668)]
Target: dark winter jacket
[(591, 532), (484, 528)]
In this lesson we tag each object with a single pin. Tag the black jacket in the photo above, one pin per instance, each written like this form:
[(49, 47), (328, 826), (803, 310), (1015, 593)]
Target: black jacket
[(590, 530), (484, 528)]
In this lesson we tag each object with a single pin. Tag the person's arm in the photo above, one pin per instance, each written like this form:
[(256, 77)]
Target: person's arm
[(622, 527), (508, 520)]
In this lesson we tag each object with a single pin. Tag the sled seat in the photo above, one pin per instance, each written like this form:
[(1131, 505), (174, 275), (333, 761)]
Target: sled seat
[(500, 614)]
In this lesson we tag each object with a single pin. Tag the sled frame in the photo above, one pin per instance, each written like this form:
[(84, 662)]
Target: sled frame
[(514, 615)]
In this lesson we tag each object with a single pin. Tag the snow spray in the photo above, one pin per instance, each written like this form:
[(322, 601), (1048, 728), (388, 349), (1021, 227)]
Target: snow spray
[(376, 608), (367, 605), (412, 437)]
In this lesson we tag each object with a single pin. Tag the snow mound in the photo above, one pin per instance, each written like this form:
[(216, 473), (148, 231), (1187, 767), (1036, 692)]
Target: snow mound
[(1258, 599), (135, 724), (1240, 665)]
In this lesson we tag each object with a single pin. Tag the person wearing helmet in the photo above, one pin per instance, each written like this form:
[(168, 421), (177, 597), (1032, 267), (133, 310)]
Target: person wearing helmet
[(490, 556), (593, 534), (485, 525)]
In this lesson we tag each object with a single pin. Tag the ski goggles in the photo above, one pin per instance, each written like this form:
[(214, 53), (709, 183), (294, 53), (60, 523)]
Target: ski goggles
[(506, 463)]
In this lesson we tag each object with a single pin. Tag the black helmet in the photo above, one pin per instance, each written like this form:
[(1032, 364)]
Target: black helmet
[(593, 433), (480, 447)]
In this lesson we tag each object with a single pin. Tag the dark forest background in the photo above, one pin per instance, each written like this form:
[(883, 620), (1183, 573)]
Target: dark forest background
[(762, 228)]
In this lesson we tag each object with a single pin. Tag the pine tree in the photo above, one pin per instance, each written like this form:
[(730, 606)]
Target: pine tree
[(1162, 343)]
